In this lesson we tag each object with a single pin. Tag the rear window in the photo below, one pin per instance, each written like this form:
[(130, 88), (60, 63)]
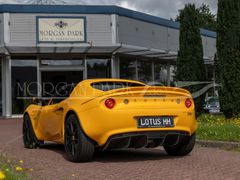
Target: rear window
[(107, 86)]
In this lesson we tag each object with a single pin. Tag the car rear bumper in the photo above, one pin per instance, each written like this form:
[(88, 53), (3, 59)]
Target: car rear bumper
[(100, 125), (145, 139)]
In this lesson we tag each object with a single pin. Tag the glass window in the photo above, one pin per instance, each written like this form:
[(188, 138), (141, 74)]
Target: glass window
[(160, 73), (24, 84), (173, 69), (210, 73), (61, 62), (107, 86), (62, 93), (52, 81), (145, 71), (98, 67), (128, 68)]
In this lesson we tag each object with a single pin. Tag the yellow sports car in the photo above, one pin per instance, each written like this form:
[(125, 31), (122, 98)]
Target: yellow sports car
[(111, 114)]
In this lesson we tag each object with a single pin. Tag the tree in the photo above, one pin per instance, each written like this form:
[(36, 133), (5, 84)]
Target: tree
[(190, 63), (228, 56), (207, 19)]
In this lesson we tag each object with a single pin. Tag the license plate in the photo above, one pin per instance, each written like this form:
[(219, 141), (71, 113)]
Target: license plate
[(155, 122), (214, 111)]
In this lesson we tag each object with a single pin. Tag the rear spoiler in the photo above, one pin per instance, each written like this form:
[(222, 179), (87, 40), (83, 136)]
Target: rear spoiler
[(151, 88), (142, 90)]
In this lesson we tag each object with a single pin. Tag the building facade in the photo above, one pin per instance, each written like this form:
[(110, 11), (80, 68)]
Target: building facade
[(44, 45)]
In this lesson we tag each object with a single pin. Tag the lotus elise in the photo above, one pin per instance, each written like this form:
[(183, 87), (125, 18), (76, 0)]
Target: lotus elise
[(108, 114)]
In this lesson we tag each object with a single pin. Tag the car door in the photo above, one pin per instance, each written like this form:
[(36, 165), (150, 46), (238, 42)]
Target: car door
[(52, 116), (51, 123)]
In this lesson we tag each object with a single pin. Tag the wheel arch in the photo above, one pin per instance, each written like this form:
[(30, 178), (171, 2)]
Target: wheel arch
[(65, 117), (70, 112), (26, 113), (33, 118), (36, 132)]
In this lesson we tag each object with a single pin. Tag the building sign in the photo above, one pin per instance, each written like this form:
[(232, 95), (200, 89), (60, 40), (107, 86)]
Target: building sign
[(61, 29)]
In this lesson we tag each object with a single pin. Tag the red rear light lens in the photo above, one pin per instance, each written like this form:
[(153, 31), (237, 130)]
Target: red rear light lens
[(110, 103), (188, 103)]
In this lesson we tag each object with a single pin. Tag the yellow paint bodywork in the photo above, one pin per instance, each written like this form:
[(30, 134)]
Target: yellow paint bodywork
[(100, 123)]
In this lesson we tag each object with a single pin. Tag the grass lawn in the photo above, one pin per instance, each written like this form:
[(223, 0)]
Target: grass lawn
[(216, 127), (9, 171)]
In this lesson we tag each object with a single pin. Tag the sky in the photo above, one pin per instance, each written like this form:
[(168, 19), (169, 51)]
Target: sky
[(162, 8)]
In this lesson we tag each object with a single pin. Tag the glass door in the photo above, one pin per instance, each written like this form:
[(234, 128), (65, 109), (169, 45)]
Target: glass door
[(54, 80), (24, 83), (56, 72)]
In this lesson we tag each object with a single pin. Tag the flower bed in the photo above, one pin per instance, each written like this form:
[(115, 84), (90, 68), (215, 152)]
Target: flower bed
[(216, 127)]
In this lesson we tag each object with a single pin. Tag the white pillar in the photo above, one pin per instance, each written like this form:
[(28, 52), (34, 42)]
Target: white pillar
[(85, 73), (114, 24), (153, 72), (114, 67), (168, 75), (6, 87), (6, 28), (6, 71)]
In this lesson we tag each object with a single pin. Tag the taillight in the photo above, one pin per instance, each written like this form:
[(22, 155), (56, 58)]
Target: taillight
[(188, 103), (110, 103)]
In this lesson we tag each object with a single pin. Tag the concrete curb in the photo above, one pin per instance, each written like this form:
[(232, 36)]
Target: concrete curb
[(218, 144)]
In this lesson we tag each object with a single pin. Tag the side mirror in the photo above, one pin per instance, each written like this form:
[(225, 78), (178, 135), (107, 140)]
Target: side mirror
[(37, 101)]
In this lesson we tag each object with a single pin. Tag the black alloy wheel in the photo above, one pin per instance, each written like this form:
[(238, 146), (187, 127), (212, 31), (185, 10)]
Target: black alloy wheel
[(30, 140), (77, 146), (183, 148)]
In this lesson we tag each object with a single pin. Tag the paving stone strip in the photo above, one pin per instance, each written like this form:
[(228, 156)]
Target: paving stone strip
[(218, 144), (49, 162)]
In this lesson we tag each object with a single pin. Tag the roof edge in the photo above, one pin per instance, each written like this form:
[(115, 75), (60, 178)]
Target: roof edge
[(94, 9)]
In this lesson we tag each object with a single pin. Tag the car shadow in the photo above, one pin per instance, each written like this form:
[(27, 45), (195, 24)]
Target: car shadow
[(131, 155), (125, 155)]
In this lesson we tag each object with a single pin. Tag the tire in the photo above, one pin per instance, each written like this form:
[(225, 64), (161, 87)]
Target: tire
[(77, 146), (183, 148), (30, 140)]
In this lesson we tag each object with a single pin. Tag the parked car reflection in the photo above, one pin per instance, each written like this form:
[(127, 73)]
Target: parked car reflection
[(212, 105)]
